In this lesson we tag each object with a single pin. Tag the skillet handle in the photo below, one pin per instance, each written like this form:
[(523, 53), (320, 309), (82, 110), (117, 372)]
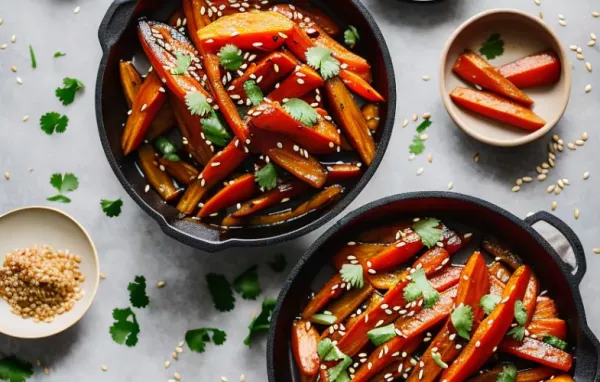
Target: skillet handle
[(580, 265), (116, 18)]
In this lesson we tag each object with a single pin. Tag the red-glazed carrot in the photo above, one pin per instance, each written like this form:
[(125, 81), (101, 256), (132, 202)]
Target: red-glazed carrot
[(563, 378), (531, 294), (323, 296), (498, 108), (145, 106), (300, 82), (239, 189), (272, 117), (195, 18), (539, 352), (501, 272), (496, 286), (538, 69), (399, 252), (535, 374), (272, 197), (305, 340), (182, 171), (548, 327), (190, 128), (360, 86), (361, 251), (337, 173), (159, 180), (263, 31), (349, 301), (304, 8), (491, 331), (545, 308), (501, 252), (446, 278), (217, 169), (475, 69), (401, 365)]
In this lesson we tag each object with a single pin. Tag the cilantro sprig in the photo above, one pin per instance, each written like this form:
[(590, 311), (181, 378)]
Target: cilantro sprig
[(556, 342), (59, 54), (63, 183), (424, 125), (66, 94), (489, 302), (167, 148), (382, 334), (214, 130), (221, 292), (351, 36), (261, 322), (125, 329), (508, 374), (198, 338), (462, 319), (13, 369), (353, 274), (197, 103), (111, 208), (137, 292), (437, 358), (301, 111), (420, 287), (518, 332), (279, 263), (320, 59), (247, 284), (253, 92), (182, 63), (323, 319), (492, 47), (327, 351), (417, 146), (53, 122), (32, 56), (266, 177), (230, 57), (428, 231)]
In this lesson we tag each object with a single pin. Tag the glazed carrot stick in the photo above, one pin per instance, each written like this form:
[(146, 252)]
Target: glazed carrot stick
[(159, 180), (399, 252), (501, 272), (538, 69), (539, 352), (300, 82), (196, 18), (491, 331), (349, 301), (475, 69), (271, 197), (361, 87), (545, 308), (563, 378), (360, 251), (402, 365), (305, 340), (182, 171), (529, 301), (316, 15), (548, 327), (337, 173), (239, 189), (498, 108), (190, 128), (501, 252), (496, 286), (446, 278), (323, 296), (531, 375)]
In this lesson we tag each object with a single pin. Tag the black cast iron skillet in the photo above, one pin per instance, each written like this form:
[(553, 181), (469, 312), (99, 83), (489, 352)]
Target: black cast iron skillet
[(119, 41), (467, 214)]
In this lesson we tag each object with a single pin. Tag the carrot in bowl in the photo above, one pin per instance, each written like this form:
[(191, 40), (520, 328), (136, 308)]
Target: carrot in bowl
[(538, 69)]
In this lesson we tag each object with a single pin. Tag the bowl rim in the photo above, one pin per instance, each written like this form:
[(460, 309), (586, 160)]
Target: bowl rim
[(108, 36), (449, 105), (94, 290)]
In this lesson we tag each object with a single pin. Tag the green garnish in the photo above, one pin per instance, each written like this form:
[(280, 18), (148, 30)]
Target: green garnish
[(266, 177), (518, 332), (382, 334), (427, 229), (59, 54), (353, 274), (424, 125), (324, 347), (214, 130), (351, 36), (198, 338), (253, 92), (339, 370), (323, 319), (13, 369), (508, 374), (420, 287), (221, 292), (52, 122), (182, 62), (279, 263), (261, 322), (301, 111), (556, 342), (124, 330), (492, 47), (489, 302), (462, 320), (321, 59), (111, 208), (32, 55), (247, 284), (437, 358), (327, 351), (230, 57), (418, 145), (63, 183), (137, 292), (167, 148), (197, 103), (66, 94)]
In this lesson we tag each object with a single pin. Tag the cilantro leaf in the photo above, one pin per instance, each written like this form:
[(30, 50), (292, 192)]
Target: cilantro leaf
[(111, 208), (137, 292), (508, 374), (279, 263), (301, 111), (167, 148), (58, 198), (214, 130), (418, 145), (197, 103), (124, 331), (353, 274), (32, 55), (13, 369), (253, 92), (266, 177), (427, 229), (492, 47), (412, 292), (63, 183), (230, 57), (320, 59), (54, 122), (437, 358), (520, 313), (351, 36), (518, 333), (196, 339), (323, 319), (338, 370), (556, 342), (419, 286), (66, 94), (424, 125), (489, 302), (247, 284), (382, 334), (221, 292), (261, 322), (58, 54), (462, 319), (182, 62), (324, 347)]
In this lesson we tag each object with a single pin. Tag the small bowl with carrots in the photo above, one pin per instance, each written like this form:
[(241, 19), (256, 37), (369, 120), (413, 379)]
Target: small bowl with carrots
[(505, 78)]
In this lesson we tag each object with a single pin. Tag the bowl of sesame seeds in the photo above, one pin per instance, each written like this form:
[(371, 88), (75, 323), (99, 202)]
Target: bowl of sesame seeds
[(49, 272)]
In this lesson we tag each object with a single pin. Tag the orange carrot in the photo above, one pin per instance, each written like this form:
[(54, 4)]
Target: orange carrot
[(182, 171), (239, 189), (538, 69), (360, 86), (300, 82), (272, 197), (548, 327), (159, 180), (305, 340), (545, 308), (539, 352), (190, 128), (337, 173)]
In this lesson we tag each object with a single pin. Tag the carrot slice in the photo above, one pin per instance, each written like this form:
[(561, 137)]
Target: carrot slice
[(531, 375), (496, 286), (563, 378), (548, 327), (529, 300), (272, 197), (300, 82), (337, 173), (539, 352), (190, 128), (305, 341), (446, 278), (349, 301), (304, 10), (491, 331), (475, 69), (398, 369), (323, 296), (196, 18), (545, 308), (182, 171), (399, 252), (159, 180), (361, 252), (361, 87), (538, 69), (501, 272), (498, 108), (239, 189), (501, 252)]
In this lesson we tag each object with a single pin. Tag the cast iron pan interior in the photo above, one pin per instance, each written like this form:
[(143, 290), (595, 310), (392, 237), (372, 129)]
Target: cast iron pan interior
[(119, 41), (461, 212)]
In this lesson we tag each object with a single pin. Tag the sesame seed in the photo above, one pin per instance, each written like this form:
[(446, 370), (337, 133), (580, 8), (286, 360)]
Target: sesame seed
[(588, 88), (562, 23), (405, 123), (76, 10), (3, 46), (420, 171), (144, 107), (104, 367), (576, 213), (19, 81), (257, 44), (586, 175), (300, 81), (161, 284), (596, 251), (425, 78)]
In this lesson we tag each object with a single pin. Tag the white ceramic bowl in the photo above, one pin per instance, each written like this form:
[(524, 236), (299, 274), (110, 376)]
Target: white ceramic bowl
[(523, 34), (28, 226)]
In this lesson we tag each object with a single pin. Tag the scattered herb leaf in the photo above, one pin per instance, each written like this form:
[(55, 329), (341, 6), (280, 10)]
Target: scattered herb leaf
[(427, 229), (182, 62), (420, 286), (508, 374), (437, 358), (111, 208), (520, 313), (320, 59), (327, 351), (13, 369), (66, 94), (124, 330), (301, 111), (52, 122), (382, 334), (221, 292), (197, 103), (279, 263), (424, 125), (353, 274), (247, 284), (59, 198), (492, 47), (253, 92), (167, 148), (32, 55), (324, 347), (214, 130), (266, 177), (489, 302), (261, 322), (556, 342), (196, 339), (230, 57), (323, 319), (351, 36), (137, 292), (63, 183), (339, 370), (518, 333), (462, 319), (59, 54), (418, 145)]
